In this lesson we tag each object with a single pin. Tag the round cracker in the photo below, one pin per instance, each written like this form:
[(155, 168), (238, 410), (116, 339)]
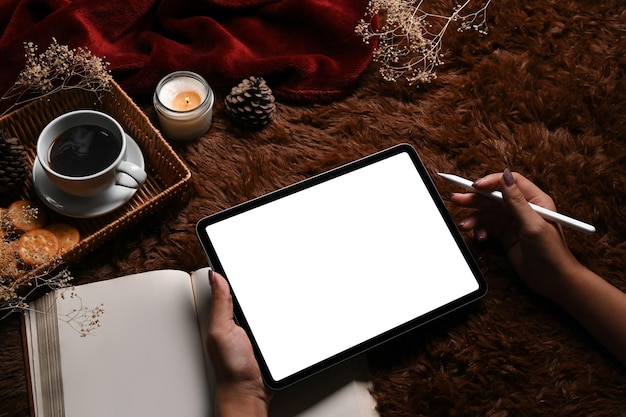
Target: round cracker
[(37, 246), (66, 234), (24, 215)]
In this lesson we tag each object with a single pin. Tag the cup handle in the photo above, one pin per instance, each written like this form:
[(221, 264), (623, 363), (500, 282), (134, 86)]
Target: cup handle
[(130, 175)]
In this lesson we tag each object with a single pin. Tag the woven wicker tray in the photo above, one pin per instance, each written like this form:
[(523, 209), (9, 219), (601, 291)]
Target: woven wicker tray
[(168, 177)]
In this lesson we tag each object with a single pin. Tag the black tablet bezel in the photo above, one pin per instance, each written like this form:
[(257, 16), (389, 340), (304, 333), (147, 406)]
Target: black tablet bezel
[(215, 263)]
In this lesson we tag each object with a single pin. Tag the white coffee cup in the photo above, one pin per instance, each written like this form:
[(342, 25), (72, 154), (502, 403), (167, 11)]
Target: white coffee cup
[(83, 153)]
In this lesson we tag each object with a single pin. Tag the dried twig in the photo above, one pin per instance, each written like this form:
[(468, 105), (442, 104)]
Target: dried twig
[(410, 38), (57, 68)]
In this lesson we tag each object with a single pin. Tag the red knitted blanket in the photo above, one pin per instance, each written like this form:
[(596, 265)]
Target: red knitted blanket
[(306, 50)]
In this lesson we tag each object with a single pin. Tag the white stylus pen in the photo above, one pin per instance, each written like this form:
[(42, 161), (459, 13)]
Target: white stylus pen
[(543, 212)]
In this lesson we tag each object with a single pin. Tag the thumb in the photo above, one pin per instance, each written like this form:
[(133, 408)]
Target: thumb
[(514, 199), (221, 300)]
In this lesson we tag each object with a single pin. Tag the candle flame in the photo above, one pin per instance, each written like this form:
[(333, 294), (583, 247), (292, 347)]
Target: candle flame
[(185, 100)]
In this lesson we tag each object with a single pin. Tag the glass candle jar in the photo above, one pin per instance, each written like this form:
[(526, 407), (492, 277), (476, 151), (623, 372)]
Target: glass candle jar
[(183, 101)]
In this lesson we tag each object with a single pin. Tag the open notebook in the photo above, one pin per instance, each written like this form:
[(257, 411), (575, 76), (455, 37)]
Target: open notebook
[(147, 358)]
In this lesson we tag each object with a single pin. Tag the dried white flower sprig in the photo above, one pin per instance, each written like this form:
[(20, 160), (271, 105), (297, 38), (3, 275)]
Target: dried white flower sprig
[(410, 38), (58, 68), (15, 297), (82, 319)]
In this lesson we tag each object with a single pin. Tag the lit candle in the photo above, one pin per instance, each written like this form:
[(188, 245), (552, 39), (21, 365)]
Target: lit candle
[(187, 100), (184, 104)]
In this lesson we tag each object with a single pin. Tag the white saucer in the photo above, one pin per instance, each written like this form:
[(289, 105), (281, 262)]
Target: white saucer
[(85, 207)]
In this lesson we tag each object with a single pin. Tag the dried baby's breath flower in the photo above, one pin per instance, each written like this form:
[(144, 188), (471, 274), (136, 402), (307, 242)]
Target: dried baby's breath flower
[(410, 38), (57, 68), (14, 297), (83, 319)]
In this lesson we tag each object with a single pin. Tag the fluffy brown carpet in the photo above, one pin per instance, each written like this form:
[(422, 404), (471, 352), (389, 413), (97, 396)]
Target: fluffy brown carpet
[(545, 94)]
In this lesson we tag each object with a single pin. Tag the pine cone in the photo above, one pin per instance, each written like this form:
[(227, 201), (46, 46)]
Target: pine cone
[(251, 103), (14, 166)]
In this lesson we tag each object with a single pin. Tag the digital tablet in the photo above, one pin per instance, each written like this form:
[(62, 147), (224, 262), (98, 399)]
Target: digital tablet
[(331, 266)]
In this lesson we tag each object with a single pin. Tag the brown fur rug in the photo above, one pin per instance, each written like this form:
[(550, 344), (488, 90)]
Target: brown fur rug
[(545, 94)]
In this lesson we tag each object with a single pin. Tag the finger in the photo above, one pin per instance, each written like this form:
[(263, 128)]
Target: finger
[(221, 300), (468, 223), (532, 193), (480, 234), (484, 226), (474, 201), (488, 183), (516, 201)]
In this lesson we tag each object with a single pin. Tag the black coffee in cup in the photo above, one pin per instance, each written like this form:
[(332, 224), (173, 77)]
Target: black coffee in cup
[(83, 150)]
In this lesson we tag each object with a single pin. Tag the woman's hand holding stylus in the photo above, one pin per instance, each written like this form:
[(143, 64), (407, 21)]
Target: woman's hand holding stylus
[(538, 251)]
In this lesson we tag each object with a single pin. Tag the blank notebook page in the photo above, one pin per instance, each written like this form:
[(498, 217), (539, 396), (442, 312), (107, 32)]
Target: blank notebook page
[(147, 357)]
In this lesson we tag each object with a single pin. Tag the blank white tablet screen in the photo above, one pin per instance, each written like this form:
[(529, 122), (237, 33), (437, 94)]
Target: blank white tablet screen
[(322, 270)]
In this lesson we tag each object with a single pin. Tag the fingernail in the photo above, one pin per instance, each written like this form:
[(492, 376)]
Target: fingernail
[(481, 235), (508, 177), (478, 181), (211, 277)]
